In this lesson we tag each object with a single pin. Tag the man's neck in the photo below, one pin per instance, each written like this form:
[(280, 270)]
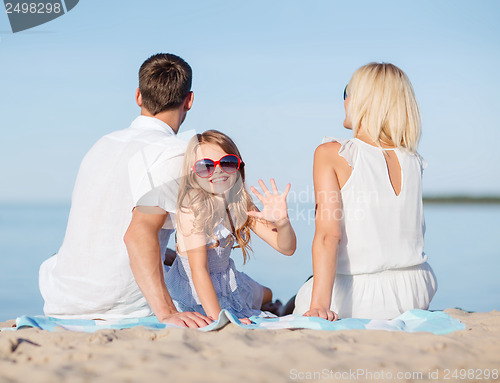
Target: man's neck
[(172, 118)]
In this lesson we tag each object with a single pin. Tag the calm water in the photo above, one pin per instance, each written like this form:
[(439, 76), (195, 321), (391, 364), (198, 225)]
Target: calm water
[(462, 242)]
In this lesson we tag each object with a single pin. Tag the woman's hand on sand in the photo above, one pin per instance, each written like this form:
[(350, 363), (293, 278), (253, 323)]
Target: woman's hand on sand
[(187, 319), (274, 204), (322, 313)]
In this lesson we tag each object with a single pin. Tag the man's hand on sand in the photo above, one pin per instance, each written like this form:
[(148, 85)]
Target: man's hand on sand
[(187, 319)]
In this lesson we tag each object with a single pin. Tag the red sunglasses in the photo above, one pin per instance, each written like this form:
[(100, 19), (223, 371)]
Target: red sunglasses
[(205, 167)]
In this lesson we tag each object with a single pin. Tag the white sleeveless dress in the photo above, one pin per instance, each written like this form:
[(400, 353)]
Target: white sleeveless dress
[(382, 270)]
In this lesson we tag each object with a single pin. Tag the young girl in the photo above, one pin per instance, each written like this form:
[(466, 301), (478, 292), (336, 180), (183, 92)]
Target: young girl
[(368, 259), (216, 214)]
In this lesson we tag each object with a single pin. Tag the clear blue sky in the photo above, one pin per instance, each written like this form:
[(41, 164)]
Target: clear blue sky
[(268, 73)]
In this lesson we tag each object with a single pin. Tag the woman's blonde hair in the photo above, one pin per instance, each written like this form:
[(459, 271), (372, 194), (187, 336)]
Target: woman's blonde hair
[(193, 198), (382, 102)]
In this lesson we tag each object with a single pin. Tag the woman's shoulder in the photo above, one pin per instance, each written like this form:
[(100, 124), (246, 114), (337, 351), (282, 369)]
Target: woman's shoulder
[(343, 149), (327, 149), (340, 141), (421, 161), (331, 145), (414, 157)]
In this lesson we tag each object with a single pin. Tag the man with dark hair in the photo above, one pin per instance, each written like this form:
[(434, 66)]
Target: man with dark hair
[(170, 71), (123, 211)]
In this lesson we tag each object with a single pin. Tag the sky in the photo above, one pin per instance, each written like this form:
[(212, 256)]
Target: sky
[(270, 74)]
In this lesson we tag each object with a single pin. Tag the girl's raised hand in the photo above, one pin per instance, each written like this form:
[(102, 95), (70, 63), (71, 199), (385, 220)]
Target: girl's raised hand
[(274, 204)]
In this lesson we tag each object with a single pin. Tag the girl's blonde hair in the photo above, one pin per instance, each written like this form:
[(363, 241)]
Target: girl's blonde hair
[(193, 198), (382, 102)]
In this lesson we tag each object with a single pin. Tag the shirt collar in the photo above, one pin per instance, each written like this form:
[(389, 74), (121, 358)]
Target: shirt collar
[(145, 122)]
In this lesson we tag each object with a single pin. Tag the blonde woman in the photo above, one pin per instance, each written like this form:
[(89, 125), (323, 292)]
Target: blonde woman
[(368, 258), (216, 214)]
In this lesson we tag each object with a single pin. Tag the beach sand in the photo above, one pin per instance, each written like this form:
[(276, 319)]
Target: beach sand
[(237, 355)]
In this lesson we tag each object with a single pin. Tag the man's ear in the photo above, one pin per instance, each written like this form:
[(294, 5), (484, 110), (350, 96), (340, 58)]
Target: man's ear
[(188, 101), (138, 98)]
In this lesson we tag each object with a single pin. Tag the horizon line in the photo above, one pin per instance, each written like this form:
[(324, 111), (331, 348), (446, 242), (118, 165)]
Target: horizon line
[(433, 198)]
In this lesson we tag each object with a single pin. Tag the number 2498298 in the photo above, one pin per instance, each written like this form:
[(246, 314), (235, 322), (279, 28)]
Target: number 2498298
[(470, 373), (33, 8)]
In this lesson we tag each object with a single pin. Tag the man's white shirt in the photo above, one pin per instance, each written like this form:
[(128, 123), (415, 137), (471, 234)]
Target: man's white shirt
[(90, 276)]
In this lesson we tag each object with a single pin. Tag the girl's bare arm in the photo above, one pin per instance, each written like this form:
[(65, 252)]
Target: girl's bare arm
[(194, 246)]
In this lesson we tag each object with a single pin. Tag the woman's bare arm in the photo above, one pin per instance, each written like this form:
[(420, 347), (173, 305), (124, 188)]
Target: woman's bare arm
[(327, 234)]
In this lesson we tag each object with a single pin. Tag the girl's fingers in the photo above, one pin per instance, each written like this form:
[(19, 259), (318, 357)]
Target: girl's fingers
[(273, 185), (264, 187), (257, 194), (287, 189)]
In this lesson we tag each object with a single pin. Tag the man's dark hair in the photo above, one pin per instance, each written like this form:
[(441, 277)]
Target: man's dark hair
[(164, 82)]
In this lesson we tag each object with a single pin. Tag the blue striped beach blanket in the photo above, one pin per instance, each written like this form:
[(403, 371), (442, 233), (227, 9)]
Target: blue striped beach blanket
[(436, 322)]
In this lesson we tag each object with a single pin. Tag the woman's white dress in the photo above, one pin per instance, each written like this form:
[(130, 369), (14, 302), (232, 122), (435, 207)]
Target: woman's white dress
[(382, 270)]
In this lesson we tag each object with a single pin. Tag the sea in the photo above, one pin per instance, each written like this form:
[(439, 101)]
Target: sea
[(462, 243)]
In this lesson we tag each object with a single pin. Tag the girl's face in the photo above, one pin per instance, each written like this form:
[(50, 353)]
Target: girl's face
[(220, 181)]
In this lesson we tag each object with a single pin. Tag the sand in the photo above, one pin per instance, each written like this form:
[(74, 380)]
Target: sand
[(237, 355)]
